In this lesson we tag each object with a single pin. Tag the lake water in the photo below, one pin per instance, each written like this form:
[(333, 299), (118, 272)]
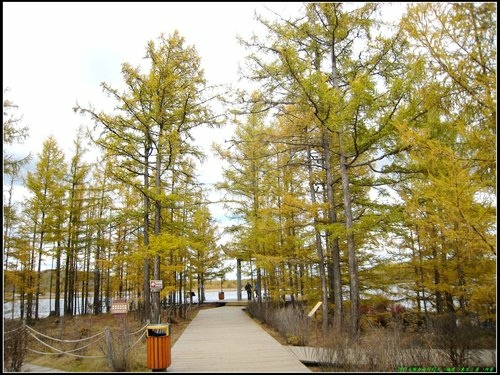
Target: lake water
[(44, 308)]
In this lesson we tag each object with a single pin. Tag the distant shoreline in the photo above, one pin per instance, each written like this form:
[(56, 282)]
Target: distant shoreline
[(46, 296)]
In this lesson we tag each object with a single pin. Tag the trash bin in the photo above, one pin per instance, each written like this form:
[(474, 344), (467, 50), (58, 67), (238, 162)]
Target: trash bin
[(221, 295), (158, 346)]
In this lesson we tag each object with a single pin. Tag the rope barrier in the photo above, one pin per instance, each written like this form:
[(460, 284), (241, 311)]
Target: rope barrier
[(129, 334), (138, 331), (59, 351), (14, 330), (60, 340), (139, 339)]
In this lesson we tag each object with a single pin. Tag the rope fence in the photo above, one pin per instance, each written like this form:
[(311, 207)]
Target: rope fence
[(101, 336), (14, 330), (60, 340)]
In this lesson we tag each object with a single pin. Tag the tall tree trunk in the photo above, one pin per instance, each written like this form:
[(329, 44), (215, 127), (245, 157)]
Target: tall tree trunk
[(31, 270), (86, 294), (353, 267), (147, 292), (437, 281), (319, 248), (7, 225), (39, 270), (97, 280), (353, 264), (57, 293), (333, 242), (97, 301), (157, 229), (108, 277)]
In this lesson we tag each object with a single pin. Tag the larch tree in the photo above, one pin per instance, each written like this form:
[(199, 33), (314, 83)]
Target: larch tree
[(98, 221), (246, 186), (47, 188), (287, 213), (204, 258), (450, 199), (327, 63), (75, 228), (151, 129), (126, 221), (13, 133), (460, 43)]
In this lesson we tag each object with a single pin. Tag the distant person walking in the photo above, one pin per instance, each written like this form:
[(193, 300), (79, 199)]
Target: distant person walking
[(248, 288)]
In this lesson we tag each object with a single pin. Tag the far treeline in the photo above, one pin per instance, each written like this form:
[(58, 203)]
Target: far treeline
[(363, 163)]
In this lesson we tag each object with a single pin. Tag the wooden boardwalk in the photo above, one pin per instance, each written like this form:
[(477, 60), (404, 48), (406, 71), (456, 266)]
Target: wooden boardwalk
[(226, 339)]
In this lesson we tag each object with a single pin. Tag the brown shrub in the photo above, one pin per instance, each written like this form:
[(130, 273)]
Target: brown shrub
[(15, 342)]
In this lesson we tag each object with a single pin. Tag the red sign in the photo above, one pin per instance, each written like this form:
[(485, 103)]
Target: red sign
[(156, 285)]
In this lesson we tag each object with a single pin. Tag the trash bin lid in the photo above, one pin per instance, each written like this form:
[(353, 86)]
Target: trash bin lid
[(158, 330), (158, 326)]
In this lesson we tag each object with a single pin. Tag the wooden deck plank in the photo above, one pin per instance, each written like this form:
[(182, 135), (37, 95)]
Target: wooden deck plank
[(226, 339)]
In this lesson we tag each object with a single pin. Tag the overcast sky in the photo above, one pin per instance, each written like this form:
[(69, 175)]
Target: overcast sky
[(57, 54)]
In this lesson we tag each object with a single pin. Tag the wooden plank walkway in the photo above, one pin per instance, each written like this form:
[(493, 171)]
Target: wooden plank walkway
[(226, 339)]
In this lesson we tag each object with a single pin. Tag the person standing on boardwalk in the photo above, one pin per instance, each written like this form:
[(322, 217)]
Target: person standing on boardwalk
[(248, 288)]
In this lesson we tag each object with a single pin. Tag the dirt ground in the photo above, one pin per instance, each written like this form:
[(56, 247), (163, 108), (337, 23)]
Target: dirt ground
[(72, 329)]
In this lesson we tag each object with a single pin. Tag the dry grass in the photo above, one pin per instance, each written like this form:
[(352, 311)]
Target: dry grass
[(379, 348), (270, 330), (82, 326)]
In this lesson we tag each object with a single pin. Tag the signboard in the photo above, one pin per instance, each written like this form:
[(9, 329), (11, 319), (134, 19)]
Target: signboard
[(155, 285), (119, 306), (314, 309)]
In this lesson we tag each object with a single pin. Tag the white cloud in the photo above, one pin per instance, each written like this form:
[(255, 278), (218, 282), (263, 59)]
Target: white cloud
[(57, 54)]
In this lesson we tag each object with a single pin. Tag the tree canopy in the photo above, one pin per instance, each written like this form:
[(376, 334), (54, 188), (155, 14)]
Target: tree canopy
[(362, 163)]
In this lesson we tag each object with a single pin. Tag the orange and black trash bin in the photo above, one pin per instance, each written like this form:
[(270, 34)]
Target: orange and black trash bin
[(158, 346)]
